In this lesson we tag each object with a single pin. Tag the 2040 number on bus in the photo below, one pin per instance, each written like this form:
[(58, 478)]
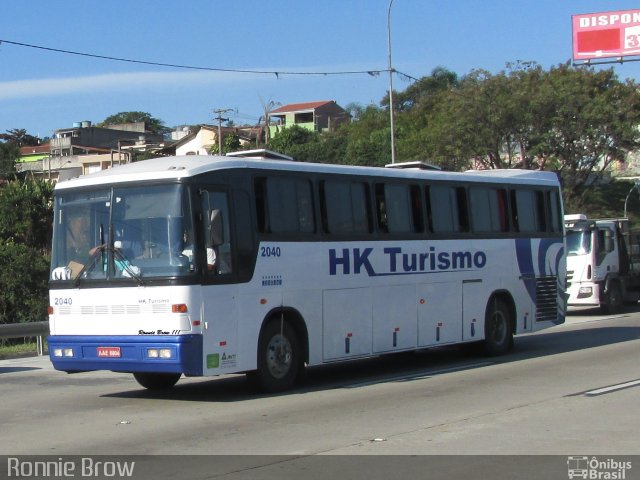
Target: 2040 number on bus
[(270, 251)]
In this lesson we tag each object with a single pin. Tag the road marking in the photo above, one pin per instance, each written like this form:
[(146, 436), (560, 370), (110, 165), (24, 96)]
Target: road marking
[(612, 388)]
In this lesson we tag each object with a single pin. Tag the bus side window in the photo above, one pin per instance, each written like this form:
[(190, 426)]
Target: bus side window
[(449, 209), (345, 207), (531, 211), (398, 208), (217, 232), (488, 209)]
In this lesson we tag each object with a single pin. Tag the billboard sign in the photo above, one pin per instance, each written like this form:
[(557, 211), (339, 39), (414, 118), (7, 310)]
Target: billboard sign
[(606, 34)]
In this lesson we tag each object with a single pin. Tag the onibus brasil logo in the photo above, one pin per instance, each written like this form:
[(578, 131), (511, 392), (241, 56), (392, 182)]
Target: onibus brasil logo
[(598, 469)]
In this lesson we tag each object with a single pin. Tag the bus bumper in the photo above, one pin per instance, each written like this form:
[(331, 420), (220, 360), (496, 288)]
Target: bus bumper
[(162, 354), (584, 294)]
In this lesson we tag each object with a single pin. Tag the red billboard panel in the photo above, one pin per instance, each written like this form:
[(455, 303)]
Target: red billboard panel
[(606, 34)]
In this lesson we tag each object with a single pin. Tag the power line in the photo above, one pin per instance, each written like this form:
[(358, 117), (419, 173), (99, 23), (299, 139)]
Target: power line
[(277, 73)]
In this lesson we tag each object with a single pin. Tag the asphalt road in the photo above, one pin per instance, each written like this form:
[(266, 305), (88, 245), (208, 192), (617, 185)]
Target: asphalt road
[(570, 390)]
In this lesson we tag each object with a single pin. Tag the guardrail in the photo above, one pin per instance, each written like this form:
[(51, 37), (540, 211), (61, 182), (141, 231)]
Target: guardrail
[(30, 329)]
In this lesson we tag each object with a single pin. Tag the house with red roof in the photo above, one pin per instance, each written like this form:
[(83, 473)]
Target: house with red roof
[(319, 116)]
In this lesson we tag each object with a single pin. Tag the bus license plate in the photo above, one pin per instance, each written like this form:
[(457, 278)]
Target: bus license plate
[(109, 352)]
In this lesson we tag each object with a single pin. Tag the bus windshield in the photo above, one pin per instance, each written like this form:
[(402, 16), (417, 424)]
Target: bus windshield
[(578, 242), (112, 233)]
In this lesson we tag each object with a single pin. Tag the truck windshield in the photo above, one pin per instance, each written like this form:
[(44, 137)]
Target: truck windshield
[(578, 242), (119, 233)]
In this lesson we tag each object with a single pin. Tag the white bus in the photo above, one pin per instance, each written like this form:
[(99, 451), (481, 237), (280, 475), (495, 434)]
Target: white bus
[(203, 266)]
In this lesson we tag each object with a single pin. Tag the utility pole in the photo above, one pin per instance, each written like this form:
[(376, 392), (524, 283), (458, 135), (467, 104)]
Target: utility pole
[(219, 113)]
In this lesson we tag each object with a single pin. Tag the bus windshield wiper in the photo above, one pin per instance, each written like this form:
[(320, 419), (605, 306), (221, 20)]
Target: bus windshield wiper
[(117, 255), (126, 265), (97, 251)]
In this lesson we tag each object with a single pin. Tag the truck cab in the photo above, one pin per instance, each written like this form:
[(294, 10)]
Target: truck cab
[(600, 271)]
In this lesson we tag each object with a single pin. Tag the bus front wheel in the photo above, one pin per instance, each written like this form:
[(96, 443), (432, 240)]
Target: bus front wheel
[(278, 358), (498, 332), (156, 381)]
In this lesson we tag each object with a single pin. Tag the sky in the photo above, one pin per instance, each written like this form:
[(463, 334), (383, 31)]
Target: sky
[(42, 90)]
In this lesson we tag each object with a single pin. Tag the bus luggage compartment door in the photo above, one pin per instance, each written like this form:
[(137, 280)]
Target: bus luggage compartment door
[(347, 328), (439, 313), (395, 322)]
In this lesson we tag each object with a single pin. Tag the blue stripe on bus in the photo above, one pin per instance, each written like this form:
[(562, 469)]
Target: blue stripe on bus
[(133, 358)]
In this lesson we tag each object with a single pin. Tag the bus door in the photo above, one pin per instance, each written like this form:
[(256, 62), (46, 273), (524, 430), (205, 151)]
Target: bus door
[(219, 307)]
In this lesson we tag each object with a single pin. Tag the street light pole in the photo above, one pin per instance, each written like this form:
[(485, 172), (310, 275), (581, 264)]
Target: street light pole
[(393, 147), (636, 186)]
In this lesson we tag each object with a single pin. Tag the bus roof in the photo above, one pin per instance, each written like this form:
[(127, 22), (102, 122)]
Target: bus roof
[(180, 167)]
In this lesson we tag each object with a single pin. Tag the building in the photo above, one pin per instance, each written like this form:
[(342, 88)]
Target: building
[(84, 149), (202, 138), (315, 116), (83, 138)]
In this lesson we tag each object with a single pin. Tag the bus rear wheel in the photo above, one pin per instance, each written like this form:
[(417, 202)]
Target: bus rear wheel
[(278, 358), (157, 381), (498, 331)]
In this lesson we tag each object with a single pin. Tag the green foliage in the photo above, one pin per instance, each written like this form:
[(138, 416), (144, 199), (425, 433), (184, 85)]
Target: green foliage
[(19, 137), (230, 143), (26, 213), (25, 232), (9, 154), (607, 201), (23, 282), (152, 124), (572, 120)]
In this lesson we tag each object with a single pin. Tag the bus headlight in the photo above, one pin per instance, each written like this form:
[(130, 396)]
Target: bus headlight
[(63, 352), (164, 353), (585, 292)]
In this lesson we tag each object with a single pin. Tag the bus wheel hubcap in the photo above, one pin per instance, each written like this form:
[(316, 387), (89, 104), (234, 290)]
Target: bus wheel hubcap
[(279, 356)]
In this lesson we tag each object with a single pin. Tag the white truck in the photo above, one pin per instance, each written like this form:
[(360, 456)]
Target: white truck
[(603, 262)]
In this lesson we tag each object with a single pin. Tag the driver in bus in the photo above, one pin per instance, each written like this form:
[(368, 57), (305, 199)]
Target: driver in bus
[(187, 251)]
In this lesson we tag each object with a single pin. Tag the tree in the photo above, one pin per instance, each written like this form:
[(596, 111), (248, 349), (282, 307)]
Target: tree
[(287, 139), (19, 137), (24, 284), (26, 217), (152, 124), (570, 119), (26, 214), (9, 154), (230, 143), (368, 138)]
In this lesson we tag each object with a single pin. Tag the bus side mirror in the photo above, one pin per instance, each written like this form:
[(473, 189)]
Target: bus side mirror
[(608, 241), (216, 228)]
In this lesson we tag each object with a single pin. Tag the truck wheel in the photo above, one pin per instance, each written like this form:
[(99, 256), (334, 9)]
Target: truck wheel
[(612, 299), (157, 381), (278, 358), (498, 334)]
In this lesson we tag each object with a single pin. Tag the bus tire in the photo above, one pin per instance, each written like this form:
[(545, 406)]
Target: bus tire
[(157, 381), (278, 358), (612, 299), (498, 329)]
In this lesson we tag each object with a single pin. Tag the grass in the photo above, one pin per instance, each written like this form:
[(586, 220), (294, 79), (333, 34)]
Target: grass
[(13, 349)]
